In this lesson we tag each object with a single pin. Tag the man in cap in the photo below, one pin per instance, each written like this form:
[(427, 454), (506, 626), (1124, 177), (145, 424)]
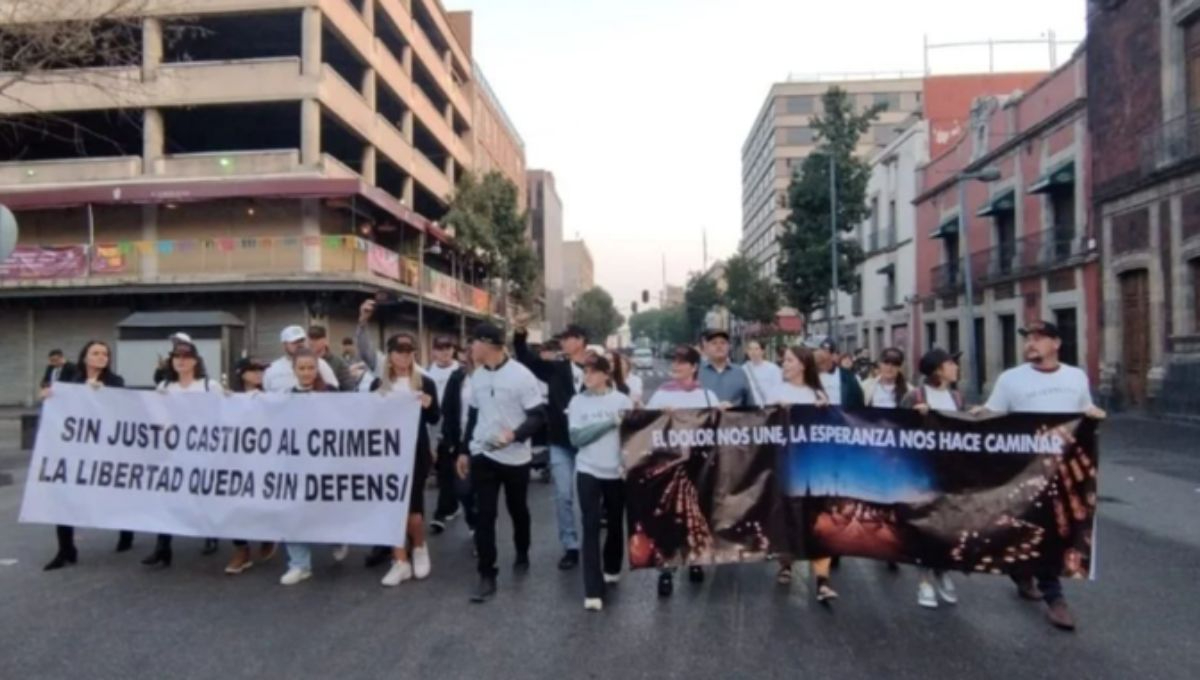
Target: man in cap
[(564, 379), (440, 371), (719, 375), (504, 410), (841, 385), (318, 341), (280, 376), (1043, 384)]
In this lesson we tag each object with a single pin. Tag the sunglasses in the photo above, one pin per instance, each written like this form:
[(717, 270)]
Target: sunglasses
[(183, 355), (402, 349)]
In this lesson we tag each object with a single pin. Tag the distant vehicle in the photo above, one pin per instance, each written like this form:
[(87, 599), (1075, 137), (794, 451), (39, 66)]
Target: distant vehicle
[(643, 358)]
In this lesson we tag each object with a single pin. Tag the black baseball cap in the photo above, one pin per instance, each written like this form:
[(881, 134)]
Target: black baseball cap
[(489, 333), (1044, 328), (317, 332), (715, 333), (402, 343), (443, 342), (574, 330), (248, 364), (934, 358), (892, 355), (686, 354)]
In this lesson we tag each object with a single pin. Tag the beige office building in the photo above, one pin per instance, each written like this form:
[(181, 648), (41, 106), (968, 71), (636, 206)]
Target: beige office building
[(276, 166), (579, 276), (782, 138)]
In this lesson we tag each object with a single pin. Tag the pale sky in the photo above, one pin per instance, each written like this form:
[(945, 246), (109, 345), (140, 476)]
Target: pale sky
[(640, 107)]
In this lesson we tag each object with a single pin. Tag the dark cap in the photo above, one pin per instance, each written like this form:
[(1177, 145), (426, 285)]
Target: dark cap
[(486, 332), (892, 356), (444, 342), (686, 354), (249, 364), (185, 349), (401, 342), (715, 333), (317, 332), (827, 345), (574, 330), (934, 358), (1045, 328), (596, 362)]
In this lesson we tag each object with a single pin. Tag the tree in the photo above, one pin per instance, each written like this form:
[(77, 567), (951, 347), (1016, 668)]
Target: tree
[(701, 296), (804, 268), (595, 311), (667, 324), (489, 229), (748, 294)]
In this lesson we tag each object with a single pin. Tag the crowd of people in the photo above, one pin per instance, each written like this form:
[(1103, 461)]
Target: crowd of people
[(483, 409)]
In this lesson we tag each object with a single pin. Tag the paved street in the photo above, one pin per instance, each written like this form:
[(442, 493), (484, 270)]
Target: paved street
[(108, 618)]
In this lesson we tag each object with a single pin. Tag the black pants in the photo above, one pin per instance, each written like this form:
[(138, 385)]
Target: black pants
[(449, 485), (66, 537), (488, 477), (601, 497)]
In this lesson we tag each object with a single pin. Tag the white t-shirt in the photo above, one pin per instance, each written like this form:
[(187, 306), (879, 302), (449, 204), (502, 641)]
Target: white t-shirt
[(786, 393), (601, 458), (884, 396), (636, 388), (832, 382), (281, 377), (440, 377), (204, 385), (1025, 389), (501, 398), (697, 397), (577, 376), (939, 399), (763, 379)]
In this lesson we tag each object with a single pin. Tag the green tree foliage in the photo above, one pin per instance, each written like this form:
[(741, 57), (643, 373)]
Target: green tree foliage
[(669, 325), (804, 267), (490, 229), (595, 311), (748, 294), (701, 296)]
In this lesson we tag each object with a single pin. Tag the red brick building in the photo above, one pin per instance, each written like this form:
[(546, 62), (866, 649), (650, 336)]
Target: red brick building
[(1032, 250), (1144, 113)]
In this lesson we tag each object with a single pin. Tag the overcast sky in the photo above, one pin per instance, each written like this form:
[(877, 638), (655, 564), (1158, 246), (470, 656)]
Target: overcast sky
[(640, 107)]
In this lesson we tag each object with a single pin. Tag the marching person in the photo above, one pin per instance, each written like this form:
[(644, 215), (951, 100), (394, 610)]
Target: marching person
[(318, 342), (454, 424), (248, 379), (889, 386), (764, 376), (565, 379), (720, 376), (637, 389), (306, 366), (441, 371), (593, 417), (936, 393), (841, 385), (185, 373), (57, 369), (281, 376), (505, 409), (683, 391), (93, 369), (801, 385), (1043, 385)]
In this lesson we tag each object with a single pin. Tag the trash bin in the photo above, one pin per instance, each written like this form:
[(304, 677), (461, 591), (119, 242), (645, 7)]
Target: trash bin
[(29, 428)]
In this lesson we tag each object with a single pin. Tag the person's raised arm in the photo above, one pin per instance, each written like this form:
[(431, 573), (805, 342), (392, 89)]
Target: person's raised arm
[(539, 367)]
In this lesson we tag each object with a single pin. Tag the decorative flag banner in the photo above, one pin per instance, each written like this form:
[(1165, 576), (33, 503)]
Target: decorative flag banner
[(383, 262), (1001, 495), (166, 247), (322, 468), (109, 259)]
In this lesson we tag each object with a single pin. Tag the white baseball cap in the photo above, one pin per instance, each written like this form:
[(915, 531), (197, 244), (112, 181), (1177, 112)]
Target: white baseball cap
[(180, 337), (292, 334)]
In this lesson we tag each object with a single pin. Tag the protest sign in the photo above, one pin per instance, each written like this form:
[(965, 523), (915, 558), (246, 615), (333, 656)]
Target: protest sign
[(1005, 494), (321, 468)]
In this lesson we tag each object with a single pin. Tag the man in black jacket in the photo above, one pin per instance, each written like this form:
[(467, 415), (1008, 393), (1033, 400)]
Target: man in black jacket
[(841, 385), (565, 379)]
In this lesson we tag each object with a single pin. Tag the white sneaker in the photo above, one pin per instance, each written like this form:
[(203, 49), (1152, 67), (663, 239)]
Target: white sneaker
[(340, 552), (421, 566), (926, 595), (399, 573), (593, 604), (295, 575), (612, 579), (945, 589)]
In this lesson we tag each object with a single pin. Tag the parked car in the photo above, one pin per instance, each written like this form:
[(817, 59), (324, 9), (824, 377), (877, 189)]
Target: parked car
[(643, 358)]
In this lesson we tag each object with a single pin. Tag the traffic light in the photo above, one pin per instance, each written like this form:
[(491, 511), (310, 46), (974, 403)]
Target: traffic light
[(645, 297)]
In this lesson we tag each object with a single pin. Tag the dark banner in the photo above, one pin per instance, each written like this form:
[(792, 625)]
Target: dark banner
[(1003, 494)]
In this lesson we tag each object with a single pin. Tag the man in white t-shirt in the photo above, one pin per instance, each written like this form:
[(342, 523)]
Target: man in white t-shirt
[(505, 409), (280, 377), (439, 371), (764, 376), (1043, 385)]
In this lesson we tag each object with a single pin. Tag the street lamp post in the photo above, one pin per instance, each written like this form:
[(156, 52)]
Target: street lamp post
[(987, 174)]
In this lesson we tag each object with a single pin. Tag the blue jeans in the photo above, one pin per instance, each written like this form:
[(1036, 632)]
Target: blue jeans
[(562, 470), (299, 556)]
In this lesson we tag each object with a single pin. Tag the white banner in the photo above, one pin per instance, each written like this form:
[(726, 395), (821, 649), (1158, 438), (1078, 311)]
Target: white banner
[(320, 468)]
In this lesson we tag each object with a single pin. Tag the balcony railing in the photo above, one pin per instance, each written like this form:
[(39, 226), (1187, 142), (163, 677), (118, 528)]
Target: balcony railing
[(292, 258), (881, 239), (1025, 256), (1172, 142)]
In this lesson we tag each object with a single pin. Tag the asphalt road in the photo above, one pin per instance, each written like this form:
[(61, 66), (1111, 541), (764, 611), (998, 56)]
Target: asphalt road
[(109, 618)]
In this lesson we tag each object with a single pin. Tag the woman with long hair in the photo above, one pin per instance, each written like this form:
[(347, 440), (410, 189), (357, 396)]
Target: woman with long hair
[(619, 377), (248, 377), (95, 370), (936, 393), (888, 387), (401, 374), (802, 385), (185, 373), (307, 367)]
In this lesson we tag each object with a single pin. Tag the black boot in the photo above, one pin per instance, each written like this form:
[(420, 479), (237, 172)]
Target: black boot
[(379, 556), (62, 559), (485, 591), (666, 584), (162, 553), (125, 542), (569, 560), (696, 574), (210, 546)]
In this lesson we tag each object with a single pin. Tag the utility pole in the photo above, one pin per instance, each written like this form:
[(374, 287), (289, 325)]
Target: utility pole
[(833, 241)]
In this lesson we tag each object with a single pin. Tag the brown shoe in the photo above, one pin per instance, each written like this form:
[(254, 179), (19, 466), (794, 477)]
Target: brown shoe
[(266, 552), (241, 561), (1060, 615), (1028, 590)]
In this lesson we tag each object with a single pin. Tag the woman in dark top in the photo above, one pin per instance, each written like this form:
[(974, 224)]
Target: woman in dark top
[(94, 370)]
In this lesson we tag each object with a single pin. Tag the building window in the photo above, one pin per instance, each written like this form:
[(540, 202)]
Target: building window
[(1006, 241), (1062, 216), (1194, 269), (889, 291), (798, 136), (1008, 340), (891, 224), (1191, 48), (1068, 329), (930, 335), (889, 100), (800, 105), (952, 337), (879, 346)]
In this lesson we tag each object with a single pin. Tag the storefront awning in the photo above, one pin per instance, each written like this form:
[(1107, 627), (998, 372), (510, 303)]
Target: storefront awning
[(947, 228), (1001, 202), (1063, 174)]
